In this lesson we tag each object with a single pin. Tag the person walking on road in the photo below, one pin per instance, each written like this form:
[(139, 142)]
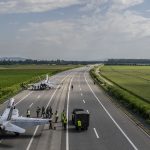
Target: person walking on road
[(38, 111), (28, 113), (56, 116)]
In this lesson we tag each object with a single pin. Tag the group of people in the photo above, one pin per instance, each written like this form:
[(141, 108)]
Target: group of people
[(43, 112), (48, 113)]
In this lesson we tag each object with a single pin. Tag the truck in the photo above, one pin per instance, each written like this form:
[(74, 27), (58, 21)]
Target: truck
[(83, 116)]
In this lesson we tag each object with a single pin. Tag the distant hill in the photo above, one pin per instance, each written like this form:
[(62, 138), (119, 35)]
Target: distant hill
[(12, 59)]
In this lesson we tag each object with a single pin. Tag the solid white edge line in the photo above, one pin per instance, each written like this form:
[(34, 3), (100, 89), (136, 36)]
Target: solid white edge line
[(97, 136), (67, 134), (36, 129), (125, 135)]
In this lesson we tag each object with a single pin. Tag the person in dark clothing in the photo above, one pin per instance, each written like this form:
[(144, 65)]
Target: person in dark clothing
[(38, 111), (72, 87), (43, 112), (50, 124)]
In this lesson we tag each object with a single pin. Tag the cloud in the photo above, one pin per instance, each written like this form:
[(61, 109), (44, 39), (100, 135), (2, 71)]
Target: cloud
[(117, 32), (124, 4), (27, 6), (92, 36)]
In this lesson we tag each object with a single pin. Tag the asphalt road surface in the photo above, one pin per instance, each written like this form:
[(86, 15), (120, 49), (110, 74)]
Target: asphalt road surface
[(110, 128)]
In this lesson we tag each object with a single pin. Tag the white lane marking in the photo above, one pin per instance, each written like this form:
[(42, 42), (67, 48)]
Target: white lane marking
[(24, 98), (67, 135), (36, 129), (30, 105), (81, 94), (80, 89), (29, 145), (125, 135), (38, 96), (87, 111), (84, 101), (97, 136)]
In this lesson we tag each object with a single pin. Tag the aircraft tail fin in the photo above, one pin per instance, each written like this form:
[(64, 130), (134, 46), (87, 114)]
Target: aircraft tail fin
[(47, 78)]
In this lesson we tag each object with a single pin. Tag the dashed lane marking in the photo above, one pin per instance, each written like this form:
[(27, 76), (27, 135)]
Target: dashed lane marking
[(97, 136), (81, 94), (24, 98), (38, 96), (31, 105), (87, 111), (84, 101)]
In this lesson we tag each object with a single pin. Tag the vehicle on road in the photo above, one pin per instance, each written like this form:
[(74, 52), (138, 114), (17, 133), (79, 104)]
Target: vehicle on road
[(82, 116), (10, 121)]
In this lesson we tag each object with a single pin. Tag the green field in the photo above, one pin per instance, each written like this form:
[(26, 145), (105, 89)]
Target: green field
[(13, 75), (128, 85), (136, 79)]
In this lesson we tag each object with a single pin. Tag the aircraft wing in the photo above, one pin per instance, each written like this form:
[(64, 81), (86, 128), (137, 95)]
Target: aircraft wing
[(13, 128), (25, 122)]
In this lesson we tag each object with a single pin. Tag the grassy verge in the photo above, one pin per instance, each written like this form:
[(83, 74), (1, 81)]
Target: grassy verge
[(12, 77), (129, 100)]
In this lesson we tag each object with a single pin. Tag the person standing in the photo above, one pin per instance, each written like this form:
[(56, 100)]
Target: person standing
[(28, 113), (38, 111), (65, 123), (50, 111), (47, 112), (79, 124), (50, 124), (56, 116), (43, 112), (63, 116)]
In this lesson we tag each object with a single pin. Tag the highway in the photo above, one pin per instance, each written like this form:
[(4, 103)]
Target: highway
[(110, 128)]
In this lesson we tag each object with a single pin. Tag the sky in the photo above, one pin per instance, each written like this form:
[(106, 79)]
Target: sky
[(75, 29)]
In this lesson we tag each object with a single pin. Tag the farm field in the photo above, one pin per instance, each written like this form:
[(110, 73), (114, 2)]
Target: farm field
[(12, 76), (135, 79)]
